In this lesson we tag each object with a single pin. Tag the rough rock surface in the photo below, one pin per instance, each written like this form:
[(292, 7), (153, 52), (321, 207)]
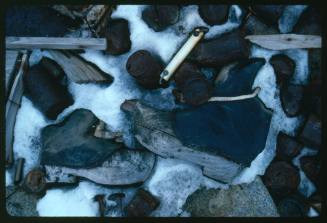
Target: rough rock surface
[(293, 206), (311, 132), (244, 200), (309, 23), (118, 37), (270, 14), (254, 26), (287, 147), (284, 68), (214, 14), (291, 97)]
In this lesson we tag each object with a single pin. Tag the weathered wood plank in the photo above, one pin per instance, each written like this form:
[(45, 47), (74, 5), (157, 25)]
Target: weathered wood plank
[(12, 106), (286, 41), (55, 43), (11, 68)]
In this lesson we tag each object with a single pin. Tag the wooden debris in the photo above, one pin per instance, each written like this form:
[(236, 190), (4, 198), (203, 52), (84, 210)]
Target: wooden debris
[(78, 69), (286, 41), (19, 170), (12, 65)]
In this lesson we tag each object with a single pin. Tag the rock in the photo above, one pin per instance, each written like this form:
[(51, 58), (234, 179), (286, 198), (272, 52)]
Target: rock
[(46, 92), (142, 204), (100, 199), (293, 206), (194, 87), (287, 147), (71, 143), (53, 68), (118, 37), (291, 97), (315, 201), (244, 200), (311, 167), (315, 63), (309, 22), (220, 51), (115, 205), (145, 68), (214, 14), (159, 17), (281, 179), (254, 26), (312, 97), (270, 14), (19, 203), (35, 182), (311, 133), (284, 68), (123, 167)]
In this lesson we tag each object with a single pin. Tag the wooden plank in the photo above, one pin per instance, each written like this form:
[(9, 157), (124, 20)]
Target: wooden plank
[(55, 43), (286, 41), (12, 57), (12, 106)]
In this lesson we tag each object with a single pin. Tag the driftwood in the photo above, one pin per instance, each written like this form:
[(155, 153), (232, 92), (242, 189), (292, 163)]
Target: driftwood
[(285, 41), (55, 43), (12, 65), (12, 106), (78, 69)]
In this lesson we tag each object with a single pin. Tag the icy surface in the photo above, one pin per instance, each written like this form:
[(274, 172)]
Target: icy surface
[(290, 16)]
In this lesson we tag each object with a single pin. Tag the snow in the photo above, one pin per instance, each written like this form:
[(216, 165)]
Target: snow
[(289, 17), (313, 213), (9, 178)]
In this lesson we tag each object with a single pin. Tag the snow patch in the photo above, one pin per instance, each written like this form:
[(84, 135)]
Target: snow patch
[(290, 17)]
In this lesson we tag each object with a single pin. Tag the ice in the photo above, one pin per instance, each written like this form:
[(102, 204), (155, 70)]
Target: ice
[(290, 17)]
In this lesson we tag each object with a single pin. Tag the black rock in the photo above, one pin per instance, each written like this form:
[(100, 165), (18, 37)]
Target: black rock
[(281, 179), (71, 143), (291, 97), (46, 92), (284, 68), (311, 167), (315, 63), (142, 204), (53, 68), (309, 23), (312, 97), (311, 133), (214, 14), (269, 14), (293, 206), (145, 68), (287, 147), (254, 26), (159, 17), (220, 51), (118, 37)]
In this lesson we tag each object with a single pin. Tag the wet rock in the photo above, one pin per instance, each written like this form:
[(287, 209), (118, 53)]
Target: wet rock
[(145, 68), (254, 26), (311, 167), (220, 51), (214, 14), (124, 166), (244, 200), (142, 204), (19, 203), (35, 182), (53, 68), (293, 206), (291, 97), (46, 92), (287, 147), (118, 37), (159, 17), (284, 68), (309, 22), (311, 133), (194, 87), (281, 179), (71, 143), (270, 14)]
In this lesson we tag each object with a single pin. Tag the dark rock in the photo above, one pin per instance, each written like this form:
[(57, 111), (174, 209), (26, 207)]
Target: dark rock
[(281, 179), (293, 206), (315, 200), (46, 92), (145, 68), (244, 200), (142, 204), (311, 167), (117, 209), (159, 17), (214, 14), (194, 87), (284, 68), (291, 97), (254, 26), (269, 14), (309, 23), (315, 63), (118, 37), (71, 143), (287, 147), (35, 182), (312, 97), (53, 68), (311, 133), (220, 51), (37, 21)]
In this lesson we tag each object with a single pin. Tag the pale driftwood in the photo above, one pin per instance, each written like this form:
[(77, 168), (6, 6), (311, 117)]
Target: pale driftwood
[(101, 132), (286, 41), (55, 43), (78, 69), (12, 106), (12, 57)]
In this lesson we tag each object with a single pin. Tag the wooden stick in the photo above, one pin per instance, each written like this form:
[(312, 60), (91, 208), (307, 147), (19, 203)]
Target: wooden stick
[(285, 41), (55, 43)]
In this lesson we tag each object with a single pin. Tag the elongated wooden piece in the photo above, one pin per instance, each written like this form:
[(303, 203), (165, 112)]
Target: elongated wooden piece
[(286, 41), (55, 43)]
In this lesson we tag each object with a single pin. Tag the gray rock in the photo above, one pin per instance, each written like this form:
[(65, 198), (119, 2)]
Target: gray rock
[(214, 14), (244, 200)]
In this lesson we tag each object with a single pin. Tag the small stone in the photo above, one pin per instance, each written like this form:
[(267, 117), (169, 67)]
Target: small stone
[(270, 14), (214, 14), (291, 97), (311, 167), (284, 68), (159, 17), (145, 68), (118, 37), (281, 179), (293, 206), (287, 147), (311, 133), (35, 181)]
